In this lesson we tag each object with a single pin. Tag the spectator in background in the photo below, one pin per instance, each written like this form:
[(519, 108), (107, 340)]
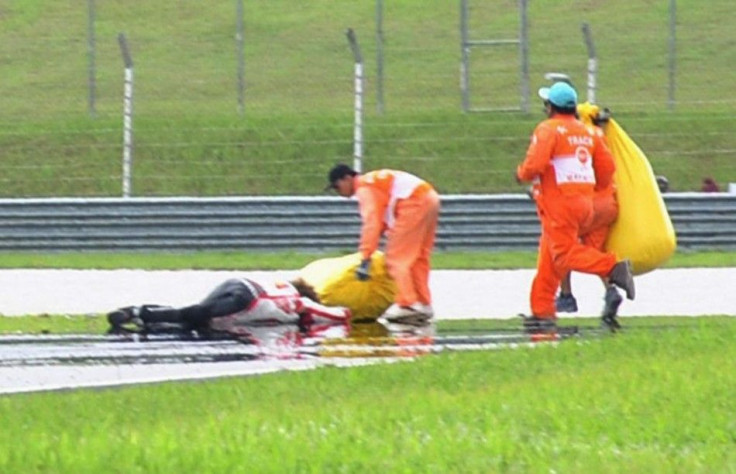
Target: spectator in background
[(663, 184), (710, 186)]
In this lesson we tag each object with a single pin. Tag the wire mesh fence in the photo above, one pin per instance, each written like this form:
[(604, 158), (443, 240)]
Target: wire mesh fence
[(238, 97)]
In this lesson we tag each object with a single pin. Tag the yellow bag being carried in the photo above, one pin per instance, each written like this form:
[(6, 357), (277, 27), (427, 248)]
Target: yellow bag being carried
[(336, 285), (643, 231)]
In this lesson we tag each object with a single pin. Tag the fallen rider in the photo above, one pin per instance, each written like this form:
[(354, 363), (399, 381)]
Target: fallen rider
[(232, 309)]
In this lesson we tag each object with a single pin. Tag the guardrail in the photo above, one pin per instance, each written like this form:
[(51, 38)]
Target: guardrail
[(467, 222)]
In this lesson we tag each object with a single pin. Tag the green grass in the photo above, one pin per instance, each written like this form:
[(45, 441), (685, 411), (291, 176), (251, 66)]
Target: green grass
[(293, 260), (647, 400), (53, 324), (190, 139), (643, 401)]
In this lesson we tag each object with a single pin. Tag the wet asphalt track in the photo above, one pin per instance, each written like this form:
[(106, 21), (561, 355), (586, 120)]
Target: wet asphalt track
[(458, 295)]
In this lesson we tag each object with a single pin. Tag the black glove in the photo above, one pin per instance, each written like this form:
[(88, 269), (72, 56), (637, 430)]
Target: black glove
[(363, 272), (604, 115)]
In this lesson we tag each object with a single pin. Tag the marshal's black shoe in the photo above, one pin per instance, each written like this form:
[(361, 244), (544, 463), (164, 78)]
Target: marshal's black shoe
[(622, 276), (566, 303), (535, 325), (612, 300)]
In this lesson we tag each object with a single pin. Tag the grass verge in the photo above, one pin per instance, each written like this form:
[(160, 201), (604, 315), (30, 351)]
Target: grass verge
[(642, 401), (293, 260)]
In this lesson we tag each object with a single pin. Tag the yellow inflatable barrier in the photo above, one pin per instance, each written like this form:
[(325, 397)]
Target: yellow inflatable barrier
[(643, 231), (336, 285)]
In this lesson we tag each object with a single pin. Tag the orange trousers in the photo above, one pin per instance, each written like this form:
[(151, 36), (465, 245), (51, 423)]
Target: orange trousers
[(605, 212), (409, 246), (561, 250)]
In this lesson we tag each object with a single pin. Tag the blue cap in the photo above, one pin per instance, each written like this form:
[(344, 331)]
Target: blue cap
[(561, 94)]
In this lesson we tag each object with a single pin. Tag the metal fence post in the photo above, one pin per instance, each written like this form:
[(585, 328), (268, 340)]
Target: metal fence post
[(464, 57), (592, 63), (91, 57), (672, 55), (521, 42), (524, 53), (358, 129), (127, 116), (379, 57), (240, 39)]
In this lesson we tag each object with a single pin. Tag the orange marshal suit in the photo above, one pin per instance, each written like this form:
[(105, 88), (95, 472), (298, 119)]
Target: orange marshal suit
[(407, 209), (566, 161)]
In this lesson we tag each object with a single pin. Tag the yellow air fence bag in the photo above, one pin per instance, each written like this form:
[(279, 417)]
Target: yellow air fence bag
[(336, 285), (643, 231)]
